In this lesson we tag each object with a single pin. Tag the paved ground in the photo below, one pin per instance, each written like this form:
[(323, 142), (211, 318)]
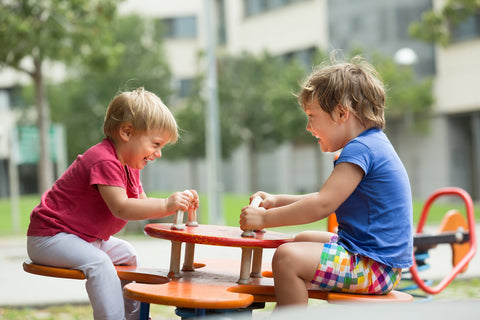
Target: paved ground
[(19, 288)]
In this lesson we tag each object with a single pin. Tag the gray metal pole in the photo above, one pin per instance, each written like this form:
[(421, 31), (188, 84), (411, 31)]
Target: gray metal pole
[(214, 160)]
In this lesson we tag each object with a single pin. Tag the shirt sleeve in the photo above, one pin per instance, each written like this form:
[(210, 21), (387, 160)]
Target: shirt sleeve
[(358, 154), (108, 173)]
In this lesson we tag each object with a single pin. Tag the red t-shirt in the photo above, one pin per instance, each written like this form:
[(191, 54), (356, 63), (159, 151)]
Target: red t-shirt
[(74, 204)]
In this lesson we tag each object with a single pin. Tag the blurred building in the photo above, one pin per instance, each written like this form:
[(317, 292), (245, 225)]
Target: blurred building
[(447, 155), (294, 29)]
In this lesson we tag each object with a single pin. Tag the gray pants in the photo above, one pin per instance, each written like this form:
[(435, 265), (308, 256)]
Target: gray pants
[(96, 260)]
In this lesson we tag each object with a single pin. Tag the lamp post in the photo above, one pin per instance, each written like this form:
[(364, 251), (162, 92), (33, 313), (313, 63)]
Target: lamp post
[(406, 58), (214, 160)]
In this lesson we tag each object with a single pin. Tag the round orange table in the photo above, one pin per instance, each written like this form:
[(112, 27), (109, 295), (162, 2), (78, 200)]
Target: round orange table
[(217, 236)]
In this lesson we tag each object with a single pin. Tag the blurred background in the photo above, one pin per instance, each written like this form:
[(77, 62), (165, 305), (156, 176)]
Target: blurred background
[(228, 71)]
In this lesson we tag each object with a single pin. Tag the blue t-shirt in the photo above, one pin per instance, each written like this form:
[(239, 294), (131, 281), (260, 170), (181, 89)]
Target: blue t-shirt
[(376, 220)]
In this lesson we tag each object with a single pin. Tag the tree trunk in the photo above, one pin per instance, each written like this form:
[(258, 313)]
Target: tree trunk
[(45, 165)]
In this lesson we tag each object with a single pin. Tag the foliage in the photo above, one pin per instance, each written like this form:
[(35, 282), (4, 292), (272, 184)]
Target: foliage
[(81, 101), (406, 94), (34, 32), (257, 105), (257, 94), (437, 25), (55, 30), (190, 118)]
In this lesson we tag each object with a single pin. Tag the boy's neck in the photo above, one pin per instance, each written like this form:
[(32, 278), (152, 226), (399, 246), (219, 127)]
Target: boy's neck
[(116, 146), (355, 127)]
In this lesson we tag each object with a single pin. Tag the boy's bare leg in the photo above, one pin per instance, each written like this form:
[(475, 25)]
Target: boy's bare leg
[(314, 236), (293, 265)]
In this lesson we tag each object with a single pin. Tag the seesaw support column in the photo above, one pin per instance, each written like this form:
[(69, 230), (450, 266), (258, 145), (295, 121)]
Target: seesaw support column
[(175, 259), (189, 253), (245, 265), (257, 263)]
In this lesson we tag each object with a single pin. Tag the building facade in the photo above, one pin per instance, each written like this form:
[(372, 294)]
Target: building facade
[(446, 155)]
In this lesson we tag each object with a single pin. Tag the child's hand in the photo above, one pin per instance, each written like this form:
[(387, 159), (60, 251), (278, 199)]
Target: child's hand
[(268, 200), (194, 200), (179, 201), (252, 218)]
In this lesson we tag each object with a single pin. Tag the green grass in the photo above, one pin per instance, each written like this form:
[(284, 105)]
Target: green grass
[(26, 204), (232, 204)]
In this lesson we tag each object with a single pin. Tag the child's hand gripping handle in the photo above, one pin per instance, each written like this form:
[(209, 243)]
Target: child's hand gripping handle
[(178, 222), (255, 203), (192, 217)]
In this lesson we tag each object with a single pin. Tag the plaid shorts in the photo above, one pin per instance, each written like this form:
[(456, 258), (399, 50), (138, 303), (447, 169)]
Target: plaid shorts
[(342, 271)]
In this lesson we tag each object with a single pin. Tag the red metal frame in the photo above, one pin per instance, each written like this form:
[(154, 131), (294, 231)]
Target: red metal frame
[(450, 191)]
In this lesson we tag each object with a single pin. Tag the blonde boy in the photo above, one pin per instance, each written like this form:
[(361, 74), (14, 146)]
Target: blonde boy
[(72, 227)]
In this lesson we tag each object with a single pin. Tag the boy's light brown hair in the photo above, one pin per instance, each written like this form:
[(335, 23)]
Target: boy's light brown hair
[(144, 110), (355, 85)]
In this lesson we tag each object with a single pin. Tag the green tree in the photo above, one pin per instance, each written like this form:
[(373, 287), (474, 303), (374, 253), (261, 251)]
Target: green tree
[(257, 106), (81, 101), (55, 31), (408, 97), (257, 93), (436, 25)]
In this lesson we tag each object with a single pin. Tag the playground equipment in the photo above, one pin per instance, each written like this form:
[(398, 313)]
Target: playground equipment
[(192, 217), (454, 231)]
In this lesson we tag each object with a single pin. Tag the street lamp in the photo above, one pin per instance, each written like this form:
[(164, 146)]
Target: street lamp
[(405, 57)]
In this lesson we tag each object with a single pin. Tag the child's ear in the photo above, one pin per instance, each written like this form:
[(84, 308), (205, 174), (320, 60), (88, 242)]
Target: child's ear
[(342, 113), (125, 131)]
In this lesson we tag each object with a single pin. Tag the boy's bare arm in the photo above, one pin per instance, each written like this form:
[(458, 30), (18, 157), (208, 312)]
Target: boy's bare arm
[(144, 208), (338, 187), (280, 200)]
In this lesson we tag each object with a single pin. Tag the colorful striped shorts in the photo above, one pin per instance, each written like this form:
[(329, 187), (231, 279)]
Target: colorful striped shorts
[(342, 271)]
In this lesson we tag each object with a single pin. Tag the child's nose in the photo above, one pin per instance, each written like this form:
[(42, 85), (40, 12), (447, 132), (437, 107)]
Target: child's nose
[(157, 154)]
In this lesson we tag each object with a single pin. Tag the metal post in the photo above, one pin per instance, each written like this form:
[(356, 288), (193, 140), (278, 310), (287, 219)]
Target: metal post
[(214, 161)]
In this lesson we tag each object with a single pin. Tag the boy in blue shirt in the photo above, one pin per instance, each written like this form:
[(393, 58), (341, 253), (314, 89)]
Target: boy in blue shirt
[(368, 189)]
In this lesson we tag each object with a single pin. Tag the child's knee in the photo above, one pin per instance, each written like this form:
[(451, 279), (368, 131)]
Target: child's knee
[(131, 257), (284, 256)]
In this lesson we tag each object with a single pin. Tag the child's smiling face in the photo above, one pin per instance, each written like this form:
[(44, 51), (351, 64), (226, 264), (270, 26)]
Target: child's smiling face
[(323, 127), (142, 148)]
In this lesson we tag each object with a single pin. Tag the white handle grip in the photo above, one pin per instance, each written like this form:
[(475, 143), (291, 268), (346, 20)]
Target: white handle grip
[(255, 203), (178, 222)]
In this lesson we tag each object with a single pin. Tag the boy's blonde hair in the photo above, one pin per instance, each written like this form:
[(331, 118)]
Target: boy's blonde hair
[(144, 110), (355, 85)]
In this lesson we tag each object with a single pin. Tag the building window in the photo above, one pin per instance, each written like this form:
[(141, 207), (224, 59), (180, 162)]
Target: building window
[(10, 98), (405, 16), (305, 56), (222, 25), (253, 7), (467, 29), (180, 27), (4, 101), (185, 87)]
